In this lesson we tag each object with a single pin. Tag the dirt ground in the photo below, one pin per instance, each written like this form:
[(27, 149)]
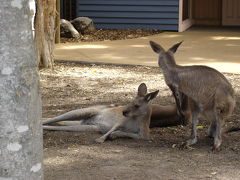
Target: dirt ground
[(111, 34), (75, 156)]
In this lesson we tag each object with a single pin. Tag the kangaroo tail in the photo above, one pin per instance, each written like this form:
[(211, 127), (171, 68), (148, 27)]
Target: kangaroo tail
[(233, 129)]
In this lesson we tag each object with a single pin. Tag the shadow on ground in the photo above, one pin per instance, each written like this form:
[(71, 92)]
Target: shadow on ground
[(71, 155)]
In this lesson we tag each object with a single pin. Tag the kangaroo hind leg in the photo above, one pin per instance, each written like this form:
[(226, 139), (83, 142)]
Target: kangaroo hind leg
[(212, 130), (218, 133), (74, 115), (215, 129), (195, 110), (182, 104), (80, 128), (223, 107)]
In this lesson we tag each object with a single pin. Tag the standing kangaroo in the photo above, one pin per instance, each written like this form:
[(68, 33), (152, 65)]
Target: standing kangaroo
[(123, 121), (207, 91)]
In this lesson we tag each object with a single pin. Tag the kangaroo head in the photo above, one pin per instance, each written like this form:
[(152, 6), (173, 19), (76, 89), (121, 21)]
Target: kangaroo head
[(166, 56), (139, 106), (157, 48)]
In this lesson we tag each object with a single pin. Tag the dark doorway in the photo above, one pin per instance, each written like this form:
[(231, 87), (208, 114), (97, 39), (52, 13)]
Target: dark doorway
[(186, 10), (207, 12), (68, 9)]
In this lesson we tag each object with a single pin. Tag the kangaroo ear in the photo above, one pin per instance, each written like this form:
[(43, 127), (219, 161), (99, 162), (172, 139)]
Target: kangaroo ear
[(156, 47), (142, 89), (151, 95), (174, 48)]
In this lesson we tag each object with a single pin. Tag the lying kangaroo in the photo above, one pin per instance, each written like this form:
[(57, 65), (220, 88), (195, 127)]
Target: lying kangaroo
[(207, 91), (123, 121)]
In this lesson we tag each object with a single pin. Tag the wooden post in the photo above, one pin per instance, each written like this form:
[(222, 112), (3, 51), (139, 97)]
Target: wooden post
[(58, 11)]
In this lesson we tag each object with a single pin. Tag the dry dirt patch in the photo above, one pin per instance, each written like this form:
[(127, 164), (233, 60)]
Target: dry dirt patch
[(71, 155), (111, 34)]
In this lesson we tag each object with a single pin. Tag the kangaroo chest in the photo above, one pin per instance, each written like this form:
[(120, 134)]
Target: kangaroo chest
[(131, 126)]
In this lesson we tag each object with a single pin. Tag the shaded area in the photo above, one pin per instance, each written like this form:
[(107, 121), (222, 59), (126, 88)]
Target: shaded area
[(72, 155)]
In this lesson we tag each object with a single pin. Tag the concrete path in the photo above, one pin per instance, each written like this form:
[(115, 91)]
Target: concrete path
[(218, 48)]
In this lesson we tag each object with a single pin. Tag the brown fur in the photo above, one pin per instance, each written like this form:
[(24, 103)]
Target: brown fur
[(207, 90), (165, 116), (124, 121)]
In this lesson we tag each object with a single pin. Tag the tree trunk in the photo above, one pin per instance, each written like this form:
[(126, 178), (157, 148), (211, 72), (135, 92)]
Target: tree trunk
[(45, 31), (58, 11), (20, 105)]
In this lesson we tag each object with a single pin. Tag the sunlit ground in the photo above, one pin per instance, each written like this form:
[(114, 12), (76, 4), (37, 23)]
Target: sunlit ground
[(217, 48), (222, 67)]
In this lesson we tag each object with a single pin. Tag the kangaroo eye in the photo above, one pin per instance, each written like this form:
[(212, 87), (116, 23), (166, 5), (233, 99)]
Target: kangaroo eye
[(136, 106)]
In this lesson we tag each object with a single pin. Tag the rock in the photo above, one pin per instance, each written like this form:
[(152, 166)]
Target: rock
[(67, 30), (83, 25)]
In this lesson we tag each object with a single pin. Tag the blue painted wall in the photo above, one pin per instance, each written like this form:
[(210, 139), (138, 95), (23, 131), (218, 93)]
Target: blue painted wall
[(133, 14)]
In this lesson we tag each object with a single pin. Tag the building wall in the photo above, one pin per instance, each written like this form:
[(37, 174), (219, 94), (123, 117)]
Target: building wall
[(68, 9), (207, 12), (124, 14)]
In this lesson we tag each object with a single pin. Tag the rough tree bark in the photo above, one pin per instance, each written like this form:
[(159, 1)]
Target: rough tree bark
[(57, 21), (45, 31), (20, 106)]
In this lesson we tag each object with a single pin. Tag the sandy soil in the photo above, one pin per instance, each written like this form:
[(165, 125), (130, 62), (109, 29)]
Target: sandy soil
[(111, 34), (72, 155)]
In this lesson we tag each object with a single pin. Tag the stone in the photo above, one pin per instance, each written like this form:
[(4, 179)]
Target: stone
[(67, 30), (83, 25)]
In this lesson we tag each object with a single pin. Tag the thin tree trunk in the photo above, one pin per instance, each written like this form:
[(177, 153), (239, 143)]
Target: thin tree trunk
[(57, 35), (45, 31), (20, 105)]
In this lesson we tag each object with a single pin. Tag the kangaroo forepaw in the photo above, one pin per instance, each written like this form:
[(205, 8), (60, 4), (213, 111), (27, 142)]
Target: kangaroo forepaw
[(100, 140), (112, 136)]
